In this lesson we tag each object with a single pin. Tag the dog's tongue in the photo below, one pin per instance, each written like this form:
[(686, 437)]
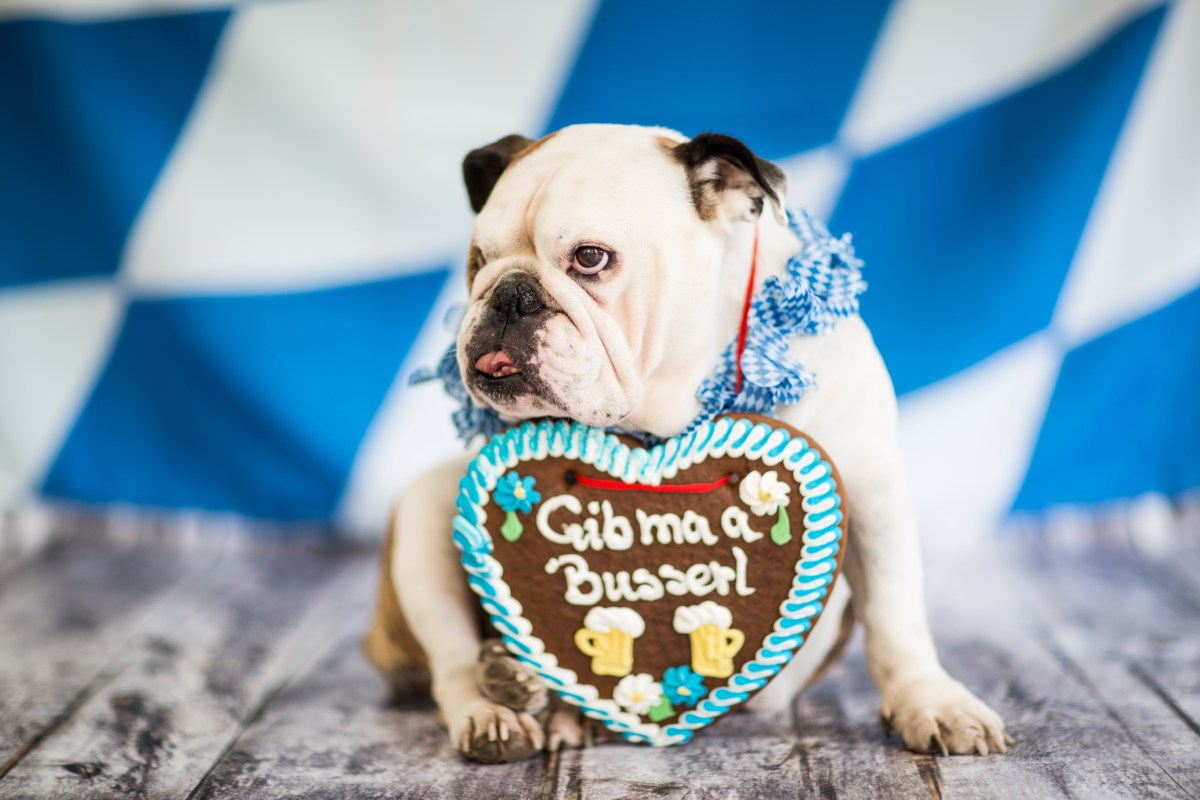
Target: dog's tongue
[(497, 364)]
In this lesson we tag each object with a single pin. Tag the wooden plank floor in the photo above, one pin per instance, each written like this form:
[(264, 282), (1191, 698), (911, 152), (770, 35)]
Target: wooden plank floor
[(148, 668)]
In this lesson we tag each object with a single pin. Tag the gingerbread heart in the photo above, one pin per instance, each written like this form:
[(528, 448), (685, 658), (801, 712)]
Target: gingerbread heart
[(656, 589)]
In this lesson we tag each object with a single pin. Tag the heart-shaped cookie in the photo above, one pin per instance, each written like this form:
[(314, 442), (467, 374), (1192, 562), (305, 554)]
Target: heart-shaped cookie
[(656, 589)]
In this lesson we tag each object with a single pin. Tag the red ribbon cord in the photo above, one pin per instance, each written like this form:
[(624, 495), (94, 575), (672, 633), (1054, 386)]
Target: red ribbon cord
[(678, 488), (745, 325), (691, 488)]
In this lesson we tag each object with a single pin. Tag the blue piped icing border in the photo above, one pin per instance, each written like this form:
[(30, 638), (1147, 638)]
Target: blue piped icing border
[(725, 436)]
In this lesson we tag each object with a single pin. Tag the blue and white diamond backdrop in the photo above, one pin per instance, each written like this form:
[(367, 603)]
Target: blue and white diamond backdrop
[(228, 232)]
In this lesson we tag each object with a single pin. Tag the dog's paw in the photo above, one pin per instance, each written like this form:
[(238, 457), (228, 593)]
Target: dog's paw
[(505, 680), (567, 727), (937, 714), (490, 733)]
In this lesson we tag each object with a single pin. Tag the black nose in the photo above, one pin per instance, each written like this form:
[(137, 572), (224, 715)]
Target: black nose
[(517, 297)]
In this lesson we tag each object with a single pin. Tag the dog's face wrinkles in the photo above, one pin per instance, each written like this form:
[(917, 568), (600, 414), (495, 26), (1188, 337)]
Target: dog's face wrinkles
[(595, 270)]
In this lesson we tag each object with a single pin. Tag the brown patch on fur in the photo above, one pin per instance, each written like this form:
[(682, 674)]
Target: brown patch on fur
[(530, 149), (474, 263), (704, 198), (389, 643), (667, 145), (835, 652), (727, 179)]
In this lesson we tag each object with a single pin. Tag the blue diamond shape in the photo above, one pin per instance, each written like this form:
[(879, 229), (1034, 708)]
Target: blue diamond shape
[(777, 75), (970, 228), (1123, 418), (90, 112), (249, 404)]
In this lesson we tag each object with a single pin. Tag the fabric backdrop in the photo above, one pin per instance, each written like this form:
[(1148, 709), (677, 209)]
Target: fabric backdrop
[(229, 232)]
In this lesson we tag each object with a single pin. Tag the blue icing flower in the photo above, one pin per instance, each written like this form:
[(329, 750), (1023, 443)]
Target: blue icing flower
[(514, 493), (682, 686)]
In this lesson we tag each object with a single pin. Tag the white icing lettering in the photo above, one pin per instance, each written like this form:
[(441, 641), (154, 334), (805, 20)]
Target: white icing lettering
[(675, 580), (699, 579), (618, 533), (577, 573), (622, 586), (565, 501), (736, 524), (695, 529), (649, 586), (739, 558), (591, 536), (722, 577), (607, 529), (617, 586), (663, 528)]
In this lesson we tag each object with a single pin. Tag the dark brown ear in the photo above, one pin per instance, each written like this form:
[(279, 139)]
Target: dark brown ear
[(728, 180), (482, 167)]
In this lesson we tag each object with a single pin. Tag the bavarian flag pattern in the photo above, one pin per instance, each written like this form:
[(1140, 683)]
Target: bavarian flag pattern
[(230, 232)]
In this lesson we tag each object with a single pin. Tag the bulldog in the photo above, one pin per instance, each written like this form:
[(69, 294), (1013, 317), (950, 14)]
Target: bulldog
[(607, 273)]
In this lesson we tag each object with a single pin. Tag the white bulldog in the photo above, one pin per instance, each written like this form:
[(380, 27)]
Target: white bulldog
[(607, 274)]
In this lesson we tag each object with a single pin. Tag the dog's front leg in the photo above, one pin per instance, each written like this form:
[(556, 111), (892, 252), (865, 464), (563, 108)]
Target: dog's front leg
[(441, 613), (930, 710), (857, 425)]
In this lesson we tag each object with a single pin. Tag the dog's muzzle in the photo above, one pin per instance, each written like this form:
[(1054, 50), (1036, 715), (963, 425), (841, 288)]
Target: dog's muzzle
[(517, 297), (502, 348)]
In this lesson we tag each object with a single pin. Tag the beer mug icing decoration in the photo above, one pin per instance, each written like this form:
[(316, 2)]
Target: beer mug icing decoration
[(607, 636), (709, 628), (656, 588)]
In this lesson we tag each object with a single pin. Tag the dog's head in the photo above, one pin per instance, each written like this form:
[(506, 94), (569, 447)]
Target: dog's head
[(598, 270)]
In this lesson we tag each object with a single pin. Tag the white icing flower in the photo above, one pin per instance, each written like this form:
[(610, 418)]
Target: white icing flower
[(763, 492), (638, 694), (603, 620), (689, 618)]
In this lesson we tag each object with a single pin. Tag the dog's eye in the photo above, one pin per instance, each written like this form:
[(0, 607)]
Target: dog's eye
[(589, 259)]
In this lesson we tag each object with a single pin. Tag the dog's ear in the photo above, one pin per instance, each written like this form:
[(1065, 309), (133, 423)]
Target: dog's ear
[(728, 181), (482, 167)]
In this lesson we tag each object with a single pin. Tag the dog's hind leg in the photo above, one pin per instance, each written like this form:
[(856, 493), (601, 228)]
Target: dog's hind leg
[(443, 619), (821, 650), (389, 643)]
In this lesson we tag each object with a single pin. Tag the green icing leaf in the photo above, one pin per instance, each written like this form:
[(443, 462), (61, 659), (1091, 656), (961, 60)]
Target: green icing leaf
[(781, 531), (512, 527), (661, 711)]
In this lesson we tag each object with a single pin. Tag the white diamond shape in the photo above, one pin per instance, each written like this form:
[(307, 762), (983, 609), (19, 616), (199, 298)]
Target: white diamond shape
[(326, 145), (938, 58), (54, 341), (967, 439), (815, 179), (1141, 247), (411, 432)]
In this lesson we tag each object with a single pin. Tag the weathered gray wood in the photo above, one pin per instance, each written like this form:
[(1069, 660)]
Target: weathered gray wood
[(155, 670), (64, 617), (23, 534), (1165, 536), (744, 756), (214, 653), (1085, 728), (335, 733), (1171, 667), (843, 749), (1139, 651)]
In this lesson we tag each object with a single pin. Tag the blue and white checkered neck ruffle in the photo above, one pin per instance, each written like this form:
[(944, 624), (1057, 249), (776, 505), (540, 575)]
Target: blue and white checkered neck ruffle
[(470, 420), (819, 286)]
